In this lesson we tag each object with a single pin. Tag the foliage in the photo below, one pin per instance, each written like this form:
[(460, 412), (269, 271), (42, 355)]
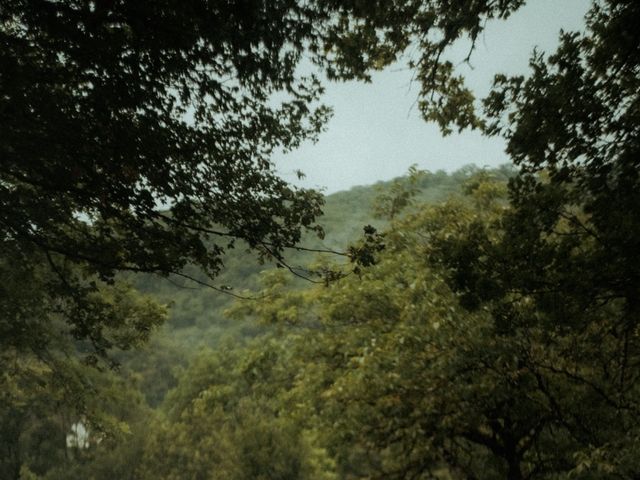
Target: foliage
[(197, 314), (42, 401), (390, 204), (491, 336), (48, 379), (152, 368), (579, 165), (137, 138), (436, 362), (222, 424)]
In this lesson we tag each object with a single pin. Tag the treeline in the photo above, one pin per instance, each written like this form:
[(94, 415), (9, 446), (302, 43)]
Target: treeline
[(460, 352), (490, 334), (48, 395)]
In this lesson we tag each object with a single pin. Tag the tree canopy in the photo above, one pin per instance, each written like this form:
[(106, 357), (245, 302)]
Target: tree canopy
[(495, 335), (137, 135)]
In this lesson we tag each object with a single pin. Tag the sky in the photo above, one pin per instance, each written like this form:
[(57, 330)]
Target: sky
[(376, 132)]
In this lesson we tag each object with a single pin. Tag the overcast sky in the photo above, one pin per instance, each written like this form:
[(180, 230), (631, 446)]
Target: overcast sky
[(376, 131)]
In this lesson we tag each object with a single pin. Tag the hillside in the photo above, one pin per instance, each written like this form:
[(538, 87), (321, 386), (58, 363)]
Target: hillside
[(197, 313)]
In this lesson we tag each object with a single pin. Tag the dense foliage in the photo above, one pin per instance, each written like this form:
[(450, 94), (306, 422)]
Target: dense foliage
[(137, 135), (136, 138), (492, 333)]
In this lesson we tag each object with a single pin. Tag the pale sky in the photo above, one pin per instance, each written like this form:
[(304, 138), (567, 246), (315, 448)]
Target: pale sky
[(376, 132)]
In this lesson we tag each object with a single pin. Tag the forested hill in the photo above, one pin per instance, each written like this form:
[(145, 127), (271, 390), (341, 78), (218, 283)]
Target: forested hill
[(451, 326), (198, 316), (197, 311)]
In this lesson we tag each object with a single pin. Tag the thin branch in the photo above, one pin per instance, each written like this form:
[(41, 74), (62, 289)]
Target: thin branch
[(217, 289), (287, 266), (240, 237)]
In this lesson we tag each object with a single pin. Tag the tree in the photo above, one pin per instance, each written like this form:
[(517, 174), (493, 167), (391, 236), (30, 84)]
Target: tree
[(572, 128), (404, 382), (557, 272), (569, 244), (443, 360), (568, 247), (137, 135), (47, 361), (226, 420), (43, 401)]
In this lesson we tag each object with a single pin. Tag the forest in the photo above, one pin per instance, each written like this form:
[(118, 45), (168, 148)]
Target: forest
[(171, 308)]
